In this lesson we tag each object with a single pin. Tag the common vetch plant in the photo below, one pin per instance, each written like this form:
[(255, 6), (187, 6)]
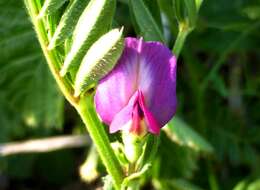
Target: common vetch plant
[(131, 83)]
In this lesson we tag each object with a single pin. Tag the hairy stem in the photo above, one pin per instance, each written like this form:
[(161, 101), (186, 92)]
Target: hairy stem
[(97, 132), (51, 56), (84, 105), (180, 40)]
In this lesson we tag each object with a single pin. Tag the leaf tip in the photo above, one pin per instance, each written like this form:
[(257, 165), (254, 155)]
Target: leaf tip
[(63, 71), (51, 45)]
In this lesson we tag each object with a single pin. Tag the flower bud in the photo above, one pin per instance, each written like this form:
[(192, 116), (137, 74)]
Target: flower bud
[(133, 146)]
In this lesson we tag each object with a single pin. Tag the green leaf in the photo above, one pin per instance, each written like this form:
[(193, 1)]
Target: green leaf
[(181, 133), (198, 3), (178, 6), (252, 12), (108, 183), (185, 11), (183, 159), (28, 94), (246, 185), (175, 184), (191, 12), (50, 6), (166, 7), (43, 104), (241, 185), (146, 23), (93, 23), (153, 7), (255, 185), (68, 22), (99, 60)]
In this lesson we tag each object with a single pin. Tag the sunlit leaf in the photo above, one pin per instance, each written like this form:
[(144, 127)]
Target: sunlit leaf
[(175, 184), (99, 60), (68, 22), (94, 22), (255, 185), (50, 6), (181, 133), (241, 185)]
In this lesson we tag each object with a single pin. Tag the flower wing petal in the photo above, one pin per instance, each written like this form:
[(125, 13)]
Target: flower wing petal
[(157, 80), (115, 89), (123, 119)]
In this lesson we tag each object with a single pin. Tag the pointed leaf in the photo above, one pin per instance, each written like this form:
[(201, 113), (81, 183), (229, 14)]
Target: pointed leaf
[(178, 6), (99, 60), (166, 7), (191, 12), (181, 184), (242, 185), (50, 6), (185, 11), (198, 4), (146, 23), (255, 185), (180, 132), (68, 22), (93, 23)]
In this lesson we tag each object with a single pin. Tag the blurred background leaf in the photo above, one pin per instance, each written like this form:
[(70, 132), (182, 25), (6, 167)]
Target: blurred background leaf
[(28, 93), (181, 133)]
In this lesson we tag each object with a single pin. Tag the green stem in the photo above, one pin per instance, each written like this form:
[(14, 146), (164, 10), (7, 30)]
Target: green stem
[(213, 183), (97, 132), (51, 56), (84, 106), (180, 40)]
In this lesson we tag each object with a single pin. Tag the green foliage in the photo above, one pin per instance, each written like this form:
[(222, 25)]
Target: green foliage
[(68, 22), (99, 60), (182, 134), (173, 160), (29, 100), (28, 94), (246, 185), (175, 184), (95, 21), (145, 21), (50, 7)]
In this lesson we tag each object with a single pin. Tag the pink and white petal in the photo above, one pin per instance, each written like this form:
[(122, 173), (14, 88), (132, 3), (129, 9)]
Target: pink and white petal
[(157, 80), (123, 117), (115, 89)]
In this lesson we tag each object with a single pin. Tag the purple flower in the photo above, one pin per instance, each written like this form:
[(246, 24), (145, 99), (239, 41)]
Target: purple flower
[(139, 94)]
